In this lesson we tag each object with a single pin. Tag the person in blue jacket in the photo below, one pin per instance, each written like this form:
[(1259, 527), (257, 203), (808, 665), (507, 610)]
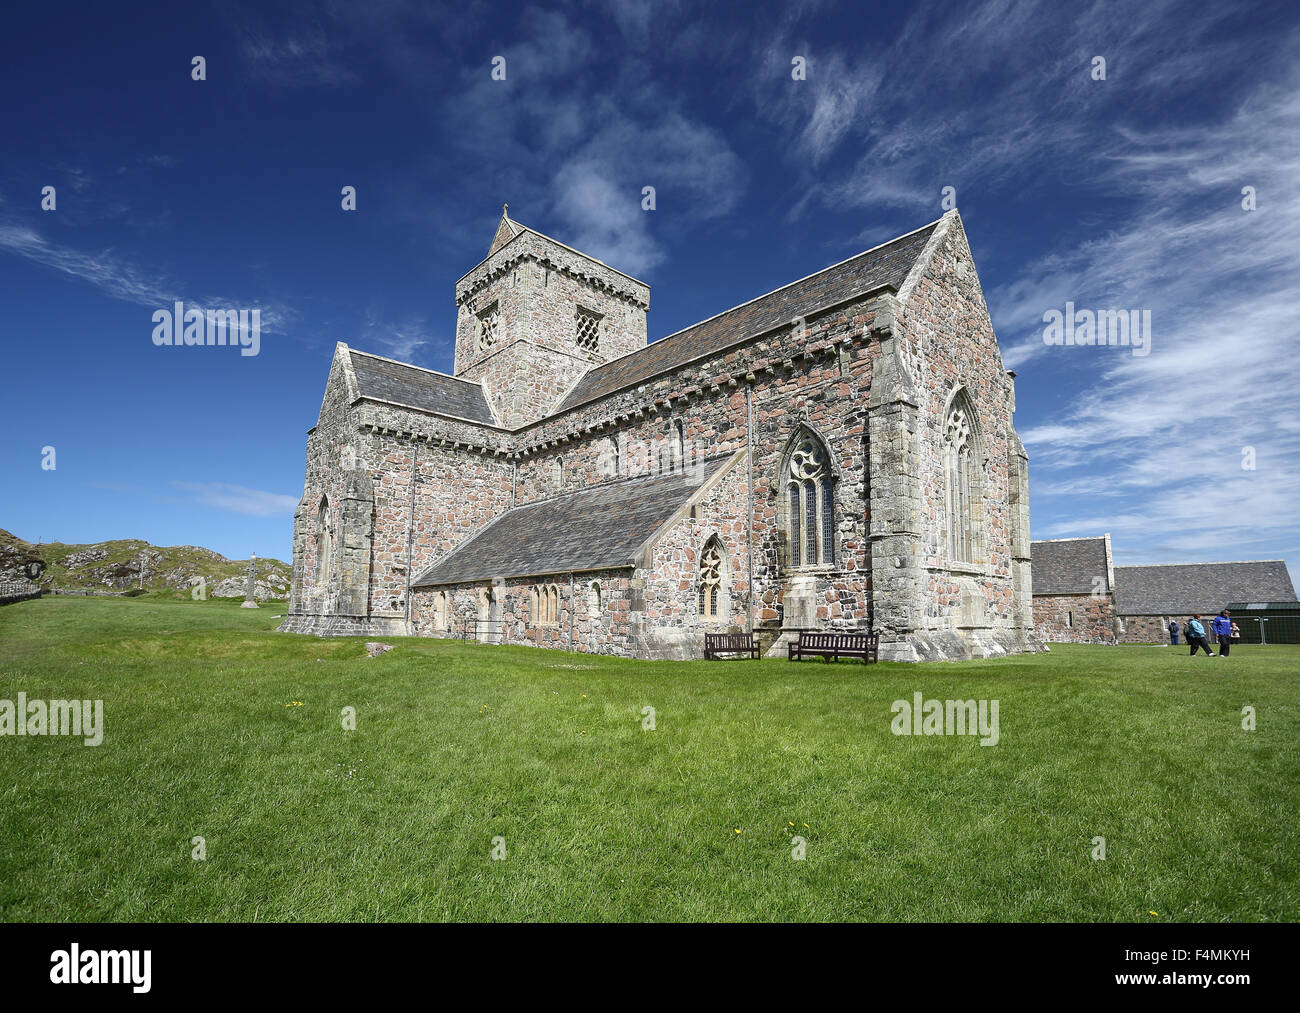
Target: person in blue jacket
[(1222, 627), (1173, 632), (1196, 635)]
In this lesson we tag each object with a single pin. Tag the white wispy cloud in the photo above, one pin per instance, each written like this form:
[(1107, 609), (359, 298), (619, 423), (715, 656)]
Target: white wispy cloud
[(307, 56), (116, 276), (398, 339), (556, 109), (1168, 433), (239, 499)]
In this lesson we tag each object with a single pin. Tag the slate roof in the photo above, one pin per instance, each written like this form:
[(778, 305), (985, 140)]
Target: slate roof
[(1067, 565), (888, 264), (592, 529), (1184, 588), (399, 383)]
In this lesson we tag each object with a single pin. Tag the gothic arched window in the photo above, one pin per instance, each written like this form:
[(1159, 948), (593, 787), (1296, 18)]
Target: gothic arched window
[(810, 503), (557, 473), (679, 447), (610, 462), (593, 599), (958, 461), (324, 542), (712, 588)]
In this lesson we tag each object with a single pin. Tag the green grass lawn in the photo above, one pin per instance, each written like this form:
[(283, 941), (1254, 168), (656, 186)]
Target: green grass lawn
[(457, 744)]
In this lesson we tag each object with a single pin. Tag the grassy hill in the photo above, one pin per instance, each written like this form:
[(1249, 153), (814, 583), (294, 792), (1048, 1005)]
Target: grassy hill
[(116, 566)]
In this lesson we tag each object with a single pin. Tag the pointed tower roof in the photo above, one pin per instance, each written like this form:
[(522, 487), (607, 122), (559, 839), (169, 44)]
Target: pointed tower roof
[(506, 230)]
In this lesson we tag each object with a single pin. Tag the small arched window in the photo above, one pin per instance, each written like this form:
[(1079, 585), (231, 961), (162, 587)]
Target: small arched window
[(555, 605), (712, 587), (810, 503), (679, 447), (609, 458), (324, 542), (557, 473), (593, 599)]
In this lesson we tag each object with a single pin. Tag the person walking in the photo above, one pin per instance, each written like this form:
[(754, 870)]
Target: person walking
[(1173, 632), (1223, 632), (1196, 635)]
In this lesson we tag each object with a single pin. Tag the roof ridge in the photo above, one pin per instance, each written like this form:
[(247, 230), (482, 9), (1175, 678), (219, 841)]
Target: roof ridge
[(1212, 562), (779, 288), (412, 365)]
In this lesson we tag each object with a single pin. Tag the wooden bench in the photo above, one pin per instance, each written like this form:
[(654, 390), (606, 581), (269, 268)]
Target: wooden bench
[(834, 646), (718, 644)]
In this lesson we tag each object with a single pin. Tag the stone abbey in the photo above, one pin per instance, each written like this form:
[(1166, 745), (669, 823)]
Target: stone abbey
[(836, 454)]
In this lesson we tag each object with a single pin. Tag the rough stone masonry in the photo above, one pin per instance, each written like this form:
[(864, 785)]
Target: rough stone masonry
[(836, 454)]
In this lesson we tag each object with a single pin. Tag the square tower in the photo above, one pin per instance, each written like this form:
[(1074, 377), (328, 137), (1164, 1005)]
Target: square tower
[(535, 315)]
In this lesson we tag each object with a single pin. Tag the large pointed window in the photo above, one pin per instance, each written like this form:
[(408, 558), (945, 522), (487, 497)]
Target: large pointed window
[(810, 504), (712, 587), (324, 543), (958, 462)]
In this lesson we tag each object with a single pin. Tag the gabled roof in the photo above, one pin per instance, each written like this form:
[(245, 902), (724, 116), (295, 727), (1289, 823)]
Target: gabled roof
[(1184, 588), (507, 229), (887, 264), (1069, 565), (400, 383), (599, 528)]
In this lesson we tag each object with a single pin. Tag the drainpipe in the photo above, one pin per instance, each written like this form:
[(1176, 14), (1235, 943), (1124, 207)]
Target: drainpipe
[(571, 612), (749, 491), (410, 534)]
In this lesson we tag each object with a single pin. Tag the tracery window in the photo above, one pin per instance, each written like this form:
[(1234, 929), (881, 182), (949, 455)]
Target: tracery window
[(488, 319), (712, 576), (958, 458), (586, 329), (810, 504)]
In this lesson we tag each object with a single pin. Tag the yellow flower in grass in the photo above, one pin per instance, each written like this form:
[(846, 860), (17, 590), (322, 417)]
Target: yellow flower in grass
[(1153, 914)]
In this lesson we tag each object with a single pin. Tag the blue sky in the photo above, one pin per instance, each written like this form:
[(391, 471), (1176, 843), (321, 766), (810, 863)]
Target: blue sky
[(1117, 193)]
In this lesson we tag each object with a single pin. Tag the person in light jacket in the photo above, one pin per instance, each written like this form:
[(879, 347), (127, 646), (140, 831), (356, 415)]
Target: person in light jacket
[(1223, 632), (1196, 635)]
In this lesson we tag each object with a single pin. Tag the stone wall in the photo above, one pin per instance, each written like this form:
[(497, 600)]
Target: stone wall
[(18, 590), (943, 351), (1075, 618), (593, 617)]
